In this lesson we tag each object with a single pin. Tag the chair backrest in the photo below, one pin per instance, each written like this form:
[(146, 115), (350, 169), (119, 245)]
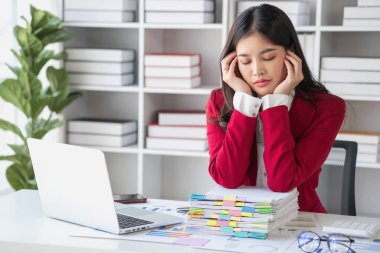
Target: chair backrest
[(336, 187)]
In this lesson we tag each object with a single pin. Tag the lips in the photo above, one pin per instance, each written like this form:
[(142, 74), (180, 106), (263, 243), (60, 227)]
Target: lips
[(262, 83)]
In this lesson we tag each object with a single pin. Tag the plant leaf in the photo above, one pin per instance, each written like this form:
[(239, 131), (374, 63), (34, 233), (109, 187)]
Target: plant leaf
[(44, 57), (41, 127), (16, 177), (8, 126), (30, 44)]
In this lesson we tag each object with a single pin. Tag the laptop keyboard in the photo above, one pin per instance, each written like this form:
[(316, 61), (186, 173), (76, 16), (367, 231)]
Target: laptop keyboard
[(128, 221)]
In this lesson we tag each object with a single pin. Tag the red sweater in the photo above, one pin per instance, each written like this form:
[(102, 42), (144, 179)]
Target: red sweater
[(296, 144)]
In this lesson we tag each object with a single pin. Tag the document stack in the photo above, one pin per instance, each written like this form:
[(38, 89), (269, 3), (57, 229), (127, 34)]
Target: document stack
[(115, 11), (307, 45), (180, 11), (368, 146), (248, 212), (104, 67), (102, 132), (172, 70), (351, 75), (297, 11), (366, 13), (178, 130)]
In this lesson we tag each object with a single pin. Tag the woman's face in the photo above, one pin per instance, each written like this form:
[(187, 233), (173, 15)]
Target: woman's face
[(261, 63)]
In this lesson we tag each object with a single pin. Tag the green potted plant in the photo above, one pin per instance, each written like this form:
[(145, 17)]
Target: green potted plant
[(28, 95)]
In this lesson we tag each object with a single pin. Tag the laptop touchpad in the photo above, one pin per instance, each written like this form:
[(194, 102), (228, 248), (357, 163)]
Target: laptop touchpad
[(133, 211)]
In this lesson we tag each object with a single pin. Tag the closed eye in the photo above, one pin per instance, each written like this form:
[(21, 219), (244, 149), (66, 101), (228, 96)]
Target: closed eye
[(269, 59)]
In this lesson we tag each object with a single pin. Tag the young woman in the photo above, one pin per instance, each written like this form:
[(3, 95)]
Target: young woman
[(271, 124)]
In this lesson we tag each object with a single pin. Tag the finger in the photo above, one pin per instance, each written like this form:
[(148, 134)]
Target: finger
[(229, 57), (289, 68), (233, 66), (294, 55), (296, 65)]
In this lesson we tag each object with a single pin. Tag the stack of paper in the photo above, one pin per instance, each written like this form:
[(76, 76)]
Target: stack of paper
[(178, 130), (366, 13), (105, 67), (351, 75), (172, 70), (368, 146), (102, 132), (180, 11), (297, 11), (244, 212), (100, 11)]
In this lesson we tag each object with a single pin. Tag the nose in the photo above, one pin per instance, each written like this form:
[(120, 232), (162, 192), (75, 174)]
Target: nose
[(257, 68)]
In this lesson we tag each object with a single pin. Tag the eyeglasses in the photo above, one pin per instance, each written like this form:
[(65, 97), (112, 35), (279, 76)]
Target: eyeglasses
[(337, 243)]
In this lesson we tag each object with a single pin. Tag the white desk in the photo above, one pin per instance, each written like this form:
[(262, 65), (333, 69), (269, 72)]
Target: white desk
[(24, 228)]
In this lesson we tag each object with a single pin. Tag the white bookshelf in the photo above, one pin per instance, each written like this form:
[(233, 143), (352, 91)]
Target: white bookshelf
[(175, 174)]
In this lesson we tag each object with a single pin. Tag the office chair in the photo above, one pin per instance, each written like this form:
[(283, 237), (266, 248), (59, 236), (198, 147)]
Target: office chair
[(336, 188)]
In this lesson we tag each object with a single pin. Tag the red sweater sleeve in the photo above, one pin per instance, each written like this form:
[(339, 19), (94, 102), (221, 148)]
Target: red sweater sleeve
[(290, 163), (230, 151)]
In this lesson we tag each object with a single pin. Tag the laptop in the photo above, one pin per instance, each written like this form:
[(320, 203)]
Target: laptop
[(74, 186)]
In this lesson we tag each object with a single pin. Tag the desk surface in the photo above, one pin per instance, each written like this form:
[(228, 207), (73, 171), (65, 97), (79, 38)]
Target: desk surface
[(24, 226)]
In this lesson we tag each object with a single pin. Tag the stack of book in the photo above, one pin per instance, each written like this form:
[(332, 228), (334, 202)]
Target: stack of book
[(178, 130), (172, 70), (368, 146), (248, 212), (366, 13), (180, 11), (297, 11), (102, 132), (106, 67), (307, 45), (351, 75), (116, 11)]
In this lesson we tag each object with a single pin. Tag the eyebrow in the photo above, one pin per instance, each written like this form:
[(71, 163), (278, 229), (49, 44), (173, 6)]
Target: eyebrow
[(261, 52)]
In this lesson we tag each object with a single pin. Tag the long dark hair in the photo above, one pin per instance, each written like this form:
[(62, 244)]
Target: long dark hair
[(275, 25)]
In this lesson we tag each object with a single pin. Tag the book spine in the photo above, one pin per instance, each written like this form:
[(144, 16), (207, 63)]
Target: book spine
[(172, 72), (341, 76), (361, 12), (101, 79), (350, 63), (188, 61), (103, 55), (179, 17), (99, 67), (364, 3), (98, 16), (186, 6), (114, 5)]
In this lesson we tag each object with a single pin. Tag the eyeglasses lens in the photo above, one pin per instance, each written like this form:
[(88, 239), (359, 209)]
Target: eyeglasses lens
[(308, 241)]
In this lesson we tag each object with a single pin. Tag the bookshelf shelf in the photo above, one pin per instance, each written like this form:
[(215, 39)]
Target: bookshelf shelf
[(133, 149), (154, 168)]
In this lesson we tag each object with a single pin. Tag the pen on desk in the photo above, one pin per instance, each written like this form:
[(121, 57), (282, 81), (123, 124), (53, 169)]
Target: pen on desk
[(184, 209)]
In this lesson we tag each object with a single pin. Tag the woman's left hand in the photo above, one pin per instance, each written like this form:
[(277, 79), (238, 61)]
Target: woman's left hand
[(294, 68)]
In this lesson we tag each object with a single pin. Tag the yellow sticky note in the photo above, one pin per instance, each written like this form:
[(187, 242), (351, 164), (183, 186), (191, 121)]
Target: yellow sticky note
[(232, 224), (211, 223), (231, 198)]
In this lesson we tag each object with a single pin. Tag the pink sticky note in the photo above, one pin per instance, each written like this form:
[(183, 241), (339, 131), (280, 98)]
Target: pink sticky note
[(191, 241)]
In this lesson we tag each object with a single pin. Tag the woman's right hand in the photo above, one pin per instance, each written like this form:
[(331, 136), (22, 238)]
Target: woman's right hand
[(228, 65)]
